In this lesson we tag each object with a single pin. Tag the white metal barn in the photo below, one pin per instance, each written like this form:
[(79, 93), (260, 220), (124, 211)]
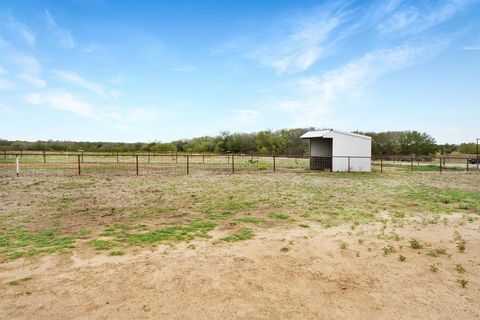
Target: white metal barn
[(337, 150)]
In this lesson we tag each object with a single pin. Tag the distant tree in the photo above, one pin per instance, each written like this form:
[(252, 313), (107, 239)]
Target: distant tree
[(467, 148), (447, 148)]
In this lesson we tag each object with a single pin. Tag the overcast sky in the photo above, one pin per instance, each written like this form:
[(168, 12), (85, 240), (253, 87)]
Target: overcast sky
[(163, 70)]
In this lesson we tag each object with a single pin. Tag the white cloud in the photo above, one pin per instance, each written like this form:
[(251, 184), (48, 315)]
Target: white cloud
[(408, 19), (244, 116), (81, 82), (301, 47), (345, 86), (65, 102), (27, 64), (33, 81), (62, 35), (24, 31), (297, 43)]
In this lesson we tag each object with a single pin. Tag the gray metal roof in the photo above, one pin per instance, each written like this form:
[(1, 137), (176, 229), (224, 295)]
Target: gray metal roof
[(328, 133)]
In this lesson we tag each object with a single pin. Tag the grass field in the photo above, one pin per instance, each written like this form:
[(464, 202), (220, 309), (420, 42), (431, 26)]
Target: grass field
[(284, 245)]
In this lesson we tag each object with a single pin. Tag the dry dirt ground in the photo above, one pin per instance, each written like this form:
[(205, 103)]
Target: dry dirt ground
[(305, 263)]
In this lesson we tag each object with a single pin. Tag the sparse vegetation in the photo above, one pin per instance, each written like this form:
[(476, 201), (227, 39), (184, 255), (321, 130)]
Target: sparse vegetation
[(433, 268), (415, 244), (388, 249), (461, 246), (462, 282), (437, 252), (401, 258), (459, 268), (240, 235), (18, 242)]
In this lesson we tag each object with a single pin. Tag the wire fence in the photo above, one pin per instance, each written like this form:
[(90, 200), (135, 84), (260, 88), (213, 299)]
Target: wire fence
[(51, 164)]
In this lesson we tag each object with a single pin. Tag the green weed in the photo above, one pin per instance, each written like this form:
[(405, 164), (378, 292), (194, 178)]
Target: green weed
[(459, 268), (415, 244), (248, 220), (388, 249), (462, 282), (437, 252), (240, 235), (102, 244)]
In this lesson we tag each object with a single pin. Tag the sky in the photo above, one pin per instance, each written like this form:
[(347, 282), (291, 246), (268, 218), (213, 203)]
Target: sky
[(101, 70)]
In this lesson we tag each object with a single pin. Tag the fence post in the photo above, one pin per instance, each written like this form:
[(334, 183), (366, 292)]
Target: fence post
[(411, 163), (233, 163), (4, 154), (18, 165), (348, 164), (82, 156), (176, 157), (273, 163), (467, 164), (203, 158), (44, 157), (78, 163), (117, 157), (440, 162), (188, 169), (148, 155), (381, 165), (136, 163)]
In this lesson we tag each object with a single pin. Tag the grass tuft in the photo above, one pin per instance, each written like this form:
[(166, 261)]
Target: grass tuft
[(240, 235), (462, 282), (415, 244)]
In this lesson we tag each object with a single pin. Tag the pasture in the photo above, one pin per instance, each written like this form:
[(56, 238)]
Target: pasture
[(274, 245)]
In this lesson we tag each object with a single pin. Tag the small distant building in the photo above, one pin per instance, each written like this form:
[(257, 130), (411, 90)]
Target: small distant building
[(337, 150)]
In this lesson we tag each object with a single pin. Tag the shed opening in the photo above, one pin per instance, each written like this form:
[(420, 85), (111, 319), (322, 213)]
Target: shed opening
[(321, 153)]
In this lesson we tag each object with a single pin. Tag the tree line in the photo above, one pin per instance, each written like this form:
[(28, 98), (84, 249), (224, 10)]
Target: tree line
[(285, 142)]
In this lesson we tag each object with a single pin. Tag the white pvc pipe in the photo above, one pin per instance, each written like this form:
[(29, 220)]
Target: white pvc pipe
[(18, 165)]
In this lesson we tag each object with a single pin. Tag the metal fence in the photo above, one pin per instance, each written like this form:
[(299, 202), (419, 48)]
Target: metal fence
[(48, 163)]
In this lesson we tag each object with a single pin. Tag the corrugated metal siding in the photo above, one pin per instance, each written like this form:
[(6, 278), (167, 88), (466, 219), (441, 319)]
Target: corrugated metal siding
[(320, 147), (347, 145), (356, 164)]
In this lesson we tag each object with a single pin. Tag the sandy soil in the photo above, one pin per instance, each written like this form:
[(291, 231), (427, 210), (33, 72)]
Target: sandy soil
[(314, 279)]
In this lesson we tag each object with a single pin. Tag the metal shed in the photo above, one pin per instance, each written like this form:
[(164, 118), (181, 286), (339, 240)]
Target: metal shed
[(337, 150)]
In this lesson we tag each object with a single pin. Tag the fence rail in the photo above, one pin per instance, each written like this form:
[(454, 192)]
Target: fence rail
[(83, 163)]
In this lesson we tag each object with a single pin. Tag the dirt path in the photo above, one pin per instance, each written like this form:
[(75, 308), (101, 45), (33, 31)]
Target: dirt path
[(314, 279)]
